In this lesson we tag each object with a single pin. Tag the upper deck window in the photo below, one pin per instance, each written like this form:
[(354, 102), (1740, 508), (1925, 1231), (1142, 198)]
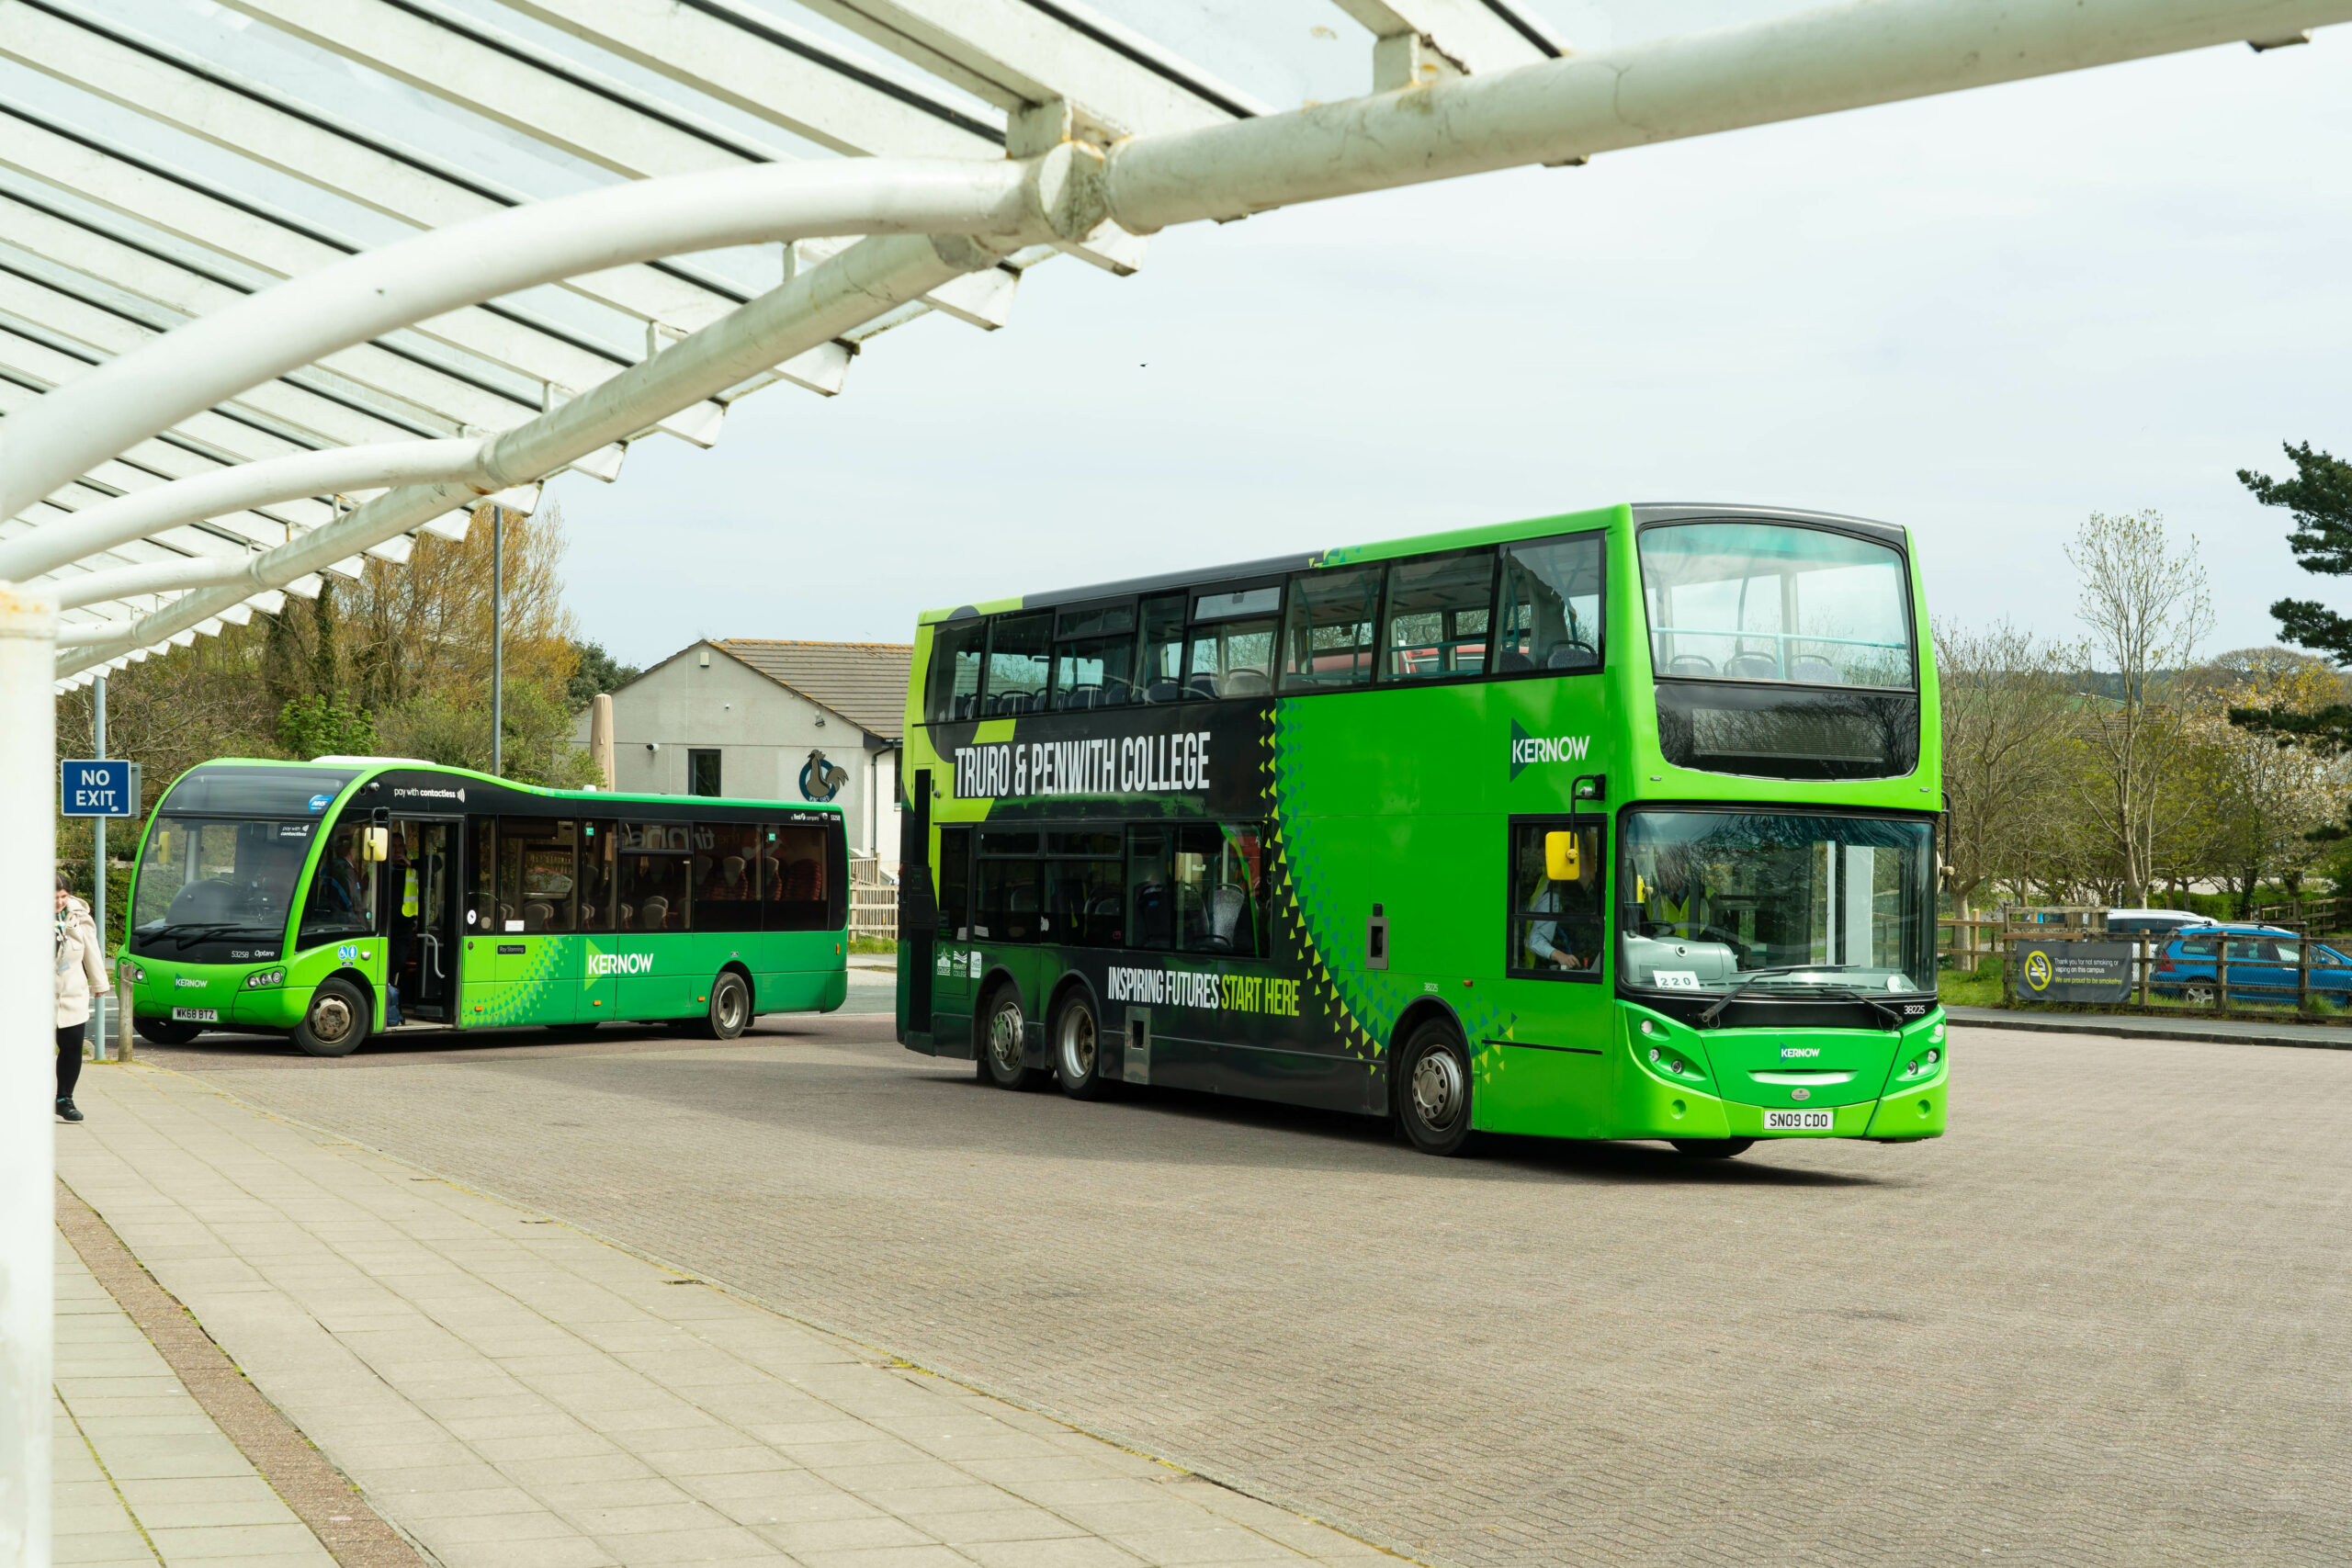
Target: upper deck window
[(1438, 611), (1776, 602), (1549, 614)]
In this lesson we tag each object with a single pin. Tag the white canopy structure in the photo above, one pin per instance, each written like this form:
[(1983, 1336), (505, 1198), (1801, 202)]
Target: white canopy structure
[(284, 283)]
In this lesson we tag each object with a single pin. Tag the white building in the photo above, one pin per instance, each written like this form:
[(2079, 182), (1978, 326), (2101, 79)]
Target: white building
[(771, 720)]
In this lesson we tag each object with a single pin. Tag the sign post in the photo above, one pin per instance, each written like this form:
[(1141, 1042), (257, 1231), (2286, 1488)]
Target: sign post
[(99, 788)]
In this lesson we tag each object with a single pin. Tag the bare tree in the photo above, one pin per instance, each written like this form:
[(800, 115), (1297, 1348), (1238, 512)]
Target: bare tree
[(2008, 728), (2146, 608)]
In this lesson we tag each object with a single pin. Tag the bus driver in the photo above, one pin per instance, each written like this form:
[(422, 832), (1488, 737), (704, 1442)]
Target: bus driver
[(1571, 938)]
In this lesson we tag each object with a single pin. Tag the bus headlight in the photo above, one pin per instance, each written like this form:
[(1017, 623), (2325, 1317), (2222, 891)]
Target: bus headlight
[(262, 979), (132, 974)]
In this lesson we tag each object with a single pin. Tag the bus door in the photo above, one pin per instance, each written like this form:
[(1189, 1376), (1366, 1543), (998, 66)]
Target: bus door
[(1564, 1013), (421, 913), (955, 959)]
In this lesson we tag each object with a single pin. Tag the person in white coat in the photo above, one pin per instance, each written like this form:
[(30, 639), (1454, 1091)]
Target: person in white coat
[(81, 975)]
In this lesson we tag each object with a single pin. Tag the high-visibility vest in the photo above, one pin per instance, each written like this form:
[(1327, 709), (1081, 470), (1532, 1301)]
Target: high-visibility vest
[(408, 894)]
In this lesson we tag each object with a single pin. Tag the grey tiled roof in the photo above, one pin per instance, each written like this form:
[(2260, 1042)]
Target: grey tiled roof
[(866, 683)]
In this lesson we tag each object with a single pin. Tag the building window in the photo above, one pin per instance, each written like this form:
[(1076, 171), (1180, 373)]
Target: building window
[(702, 773)]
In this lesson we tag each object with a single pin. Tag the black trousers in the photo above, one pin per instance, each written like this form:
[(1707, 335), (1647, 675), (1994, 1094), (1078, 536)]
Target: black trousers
[(69, 1058)]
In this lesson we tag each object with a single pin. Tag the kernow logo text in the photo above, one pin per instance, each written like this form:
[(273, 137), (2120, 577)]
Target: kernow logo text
[(1527, 750), (619, 963)]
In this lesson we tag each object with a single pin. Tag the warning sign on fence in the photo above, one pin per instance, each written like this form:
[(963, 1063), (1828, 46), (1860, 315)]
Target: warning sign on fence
[(2072, 971)]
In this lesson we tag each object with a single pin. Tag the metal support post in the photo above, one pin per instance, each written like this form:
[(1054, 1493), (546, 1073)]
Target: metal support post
[(497, 641), (98, 1031), (28, 1089)]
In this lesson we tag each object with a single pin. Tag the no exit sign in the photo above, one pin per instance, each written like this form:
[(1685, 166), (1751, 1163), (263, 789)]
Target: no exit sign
[(98, 788)]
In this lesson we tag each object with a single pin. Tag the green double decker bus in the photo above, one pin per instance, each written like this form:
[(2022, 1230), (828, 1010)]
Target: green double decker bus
[(1615, 825), (325, 900)]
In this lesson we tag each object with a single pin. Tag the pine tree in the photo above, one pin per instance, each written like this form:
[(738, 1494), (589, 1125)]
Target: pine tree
[(2319, 498)]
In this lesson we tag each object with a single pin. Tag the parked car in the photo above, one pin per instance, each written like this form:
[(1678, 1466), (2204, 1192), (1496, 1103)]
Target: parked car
[(2151, 922), (2261, 967)]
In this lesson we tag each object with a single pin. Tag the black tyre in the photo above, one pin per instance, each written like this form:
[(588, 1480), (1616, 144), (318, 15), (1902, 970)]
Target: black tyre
[(161, 1032), (337, 1022), (730, 1007), (1004, 1035), (1433, 1079), (1713, 1148), (1077, 1051)]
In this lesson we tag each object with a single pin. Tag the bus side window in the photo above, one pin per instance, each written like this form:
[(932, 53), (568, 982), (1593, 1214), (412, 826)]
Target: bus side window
[(537, 875), (1549, 616), (954, 885), (1019, 663), (954, 693), (793, 880), (482, 874), (1215, 886), (1328, 640), (596, 879), (1556, 922), (343, 889), (1437, 615), (1162, 678), (1151, 918), (727, 875)]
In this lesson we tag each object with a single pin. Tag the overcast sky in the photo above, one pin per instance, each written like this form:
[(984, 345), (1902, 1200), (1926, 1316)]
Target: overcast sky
[(1984, 316)]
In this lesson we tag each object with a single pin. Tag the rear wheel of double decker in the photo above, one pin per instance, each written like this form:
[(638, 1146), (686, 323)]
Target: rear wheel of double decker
[(1713, 1148), (730, 1007), (336, 1021), (1004, 1033), (1078, 1050), (1433, 1079)]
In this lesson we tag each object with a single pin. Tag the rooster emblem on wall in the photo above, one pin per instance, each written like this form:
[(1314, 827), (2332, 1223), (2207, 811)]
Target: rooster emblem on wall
[(821, 778)]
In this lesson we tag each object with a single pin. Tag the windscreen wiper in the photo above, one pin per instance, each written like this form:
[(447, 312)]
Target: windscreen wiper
[(183, 935), (1708, 1018)]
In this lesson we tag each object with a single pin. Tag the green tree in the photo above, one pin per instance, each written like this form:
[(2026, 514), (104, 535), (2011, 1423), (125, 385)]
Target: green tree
[(598, 671), (318, 725), (2319, 498)]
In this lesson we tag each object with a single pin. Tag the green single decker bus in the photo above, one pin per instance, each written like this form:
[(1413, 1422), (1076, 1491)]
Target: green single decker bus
[(307, 898), (1618, 824)]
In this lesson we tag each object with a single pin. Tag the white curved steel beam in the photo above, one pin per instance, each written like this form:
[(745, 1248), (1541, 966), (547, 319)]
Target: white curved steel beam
[(869, 278), (327, 472), (282, 328), (1812, 62)]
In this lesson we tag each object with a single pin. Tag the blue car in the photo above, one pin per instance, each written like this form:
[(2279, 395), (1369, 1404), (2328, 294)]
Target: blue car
[(2261, 966)]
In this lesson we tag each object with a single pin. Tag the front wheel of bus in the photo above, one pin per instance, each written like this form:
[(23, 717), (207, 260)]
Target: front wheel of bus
[(337, 1021), (730, 1007), (1077, 1051), (1003, 1054), (1433, 1090)]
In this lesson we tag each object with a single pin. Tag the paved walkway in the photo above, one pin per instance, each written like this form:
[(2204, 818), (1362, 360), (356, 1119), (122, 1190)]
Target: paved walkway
[(513, 1393), (143, 1476), (2157, 1026)]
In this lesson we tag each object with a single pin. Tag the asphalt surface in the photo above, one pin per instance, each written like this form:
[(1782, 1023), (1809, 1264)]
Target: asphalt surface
[(2102, 1322)]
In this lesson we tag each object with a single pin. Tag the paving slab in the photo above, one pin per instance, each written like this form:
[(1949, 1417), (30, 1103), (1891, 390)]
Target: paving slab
[(162, 1486), (513, 1391)]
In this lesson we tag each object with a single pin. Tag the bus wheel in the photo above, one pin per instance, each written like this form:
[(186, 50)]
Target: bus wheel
[(157, 1032), (730, 1007), (1713, 1148), (1077, 1051), (337, 1021), (1433, 1090), (1002, 1045)]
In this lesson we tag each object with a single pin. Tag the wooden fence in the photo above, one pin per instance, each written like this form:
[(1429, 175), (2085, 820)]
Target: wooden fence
[(872, 899), (2241, 976)]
